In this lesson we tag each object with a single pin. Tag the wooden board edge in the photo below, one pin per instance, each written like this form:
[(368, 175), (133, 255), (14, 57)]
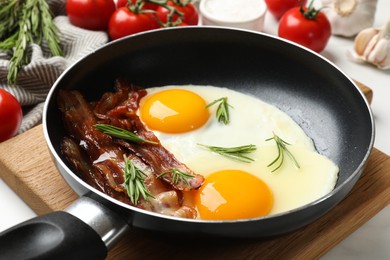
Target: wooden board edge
[(20, 176), (368, 93)]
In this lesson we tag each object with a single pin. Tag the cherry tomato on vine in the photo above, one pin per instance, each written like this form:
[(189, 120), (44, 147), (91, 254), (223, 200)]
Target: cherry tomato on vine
[(306, 26), (190, 14), (121, 3), (10, 115), (146, 6), (182, 24), (278, 7), (125, 22), (90, 14)]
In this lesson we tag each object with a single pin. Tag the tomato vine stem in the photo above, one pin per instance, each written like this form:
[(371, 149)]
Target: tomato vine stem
[(310, 12), (137, 8)]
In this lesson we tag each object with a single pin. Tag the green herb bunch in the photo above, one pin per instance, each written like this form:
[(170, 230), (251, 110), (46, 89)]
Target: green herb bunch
[(23, 22), (134, 182)]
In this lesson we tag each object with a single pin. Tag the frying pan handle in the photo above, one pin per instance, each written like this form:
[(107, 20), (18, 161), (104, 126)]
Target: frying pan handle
[(86, 231), (57, 235)]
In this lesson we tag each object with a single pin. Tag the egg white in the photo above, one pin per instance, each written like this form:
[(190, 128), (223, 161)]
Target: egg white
[(252, 121)]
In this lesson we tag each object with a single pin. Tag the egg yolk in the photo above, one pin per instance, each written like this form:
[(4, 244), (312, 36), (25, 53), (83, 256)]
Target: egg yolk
[(232, 195), (174, 111)]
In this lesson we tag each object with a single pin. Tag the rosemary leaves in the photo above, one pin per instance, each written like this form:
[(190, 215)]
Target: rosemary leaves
[(282, 150), (238, 153), (21, 24), (134, 182), (121, 133), (177, 176), (222, 113)]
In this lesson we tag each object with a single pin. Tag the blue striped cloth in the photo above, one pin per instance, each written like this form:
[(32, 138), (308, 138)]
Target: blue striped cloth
[(36, 78)]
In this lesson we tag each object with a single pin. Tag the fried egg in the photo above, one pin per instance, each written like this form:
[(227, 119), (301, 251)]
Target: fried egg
[(233, 189)]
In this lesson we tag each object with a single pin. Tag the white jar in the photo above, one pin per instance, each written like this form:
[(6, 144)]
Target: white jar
[(245, 14)]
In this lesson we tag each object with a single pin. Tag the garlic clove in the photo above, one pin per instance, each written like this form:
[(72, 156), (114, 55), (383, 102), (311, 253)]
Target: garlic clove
[(345, 7), (363, 38), (380, 55), (373, 46)]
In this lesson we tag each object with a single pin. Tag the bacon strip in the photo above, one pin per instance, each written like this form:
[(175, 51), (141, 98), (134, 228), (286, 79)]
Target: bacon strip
[(79, 122), (98, 158)]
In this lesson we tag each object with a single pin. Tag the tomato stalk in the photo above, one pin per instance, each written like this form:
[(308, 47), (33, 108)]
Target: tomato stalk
[(137, 7), (310, 13), (181, 2), (172, 11)]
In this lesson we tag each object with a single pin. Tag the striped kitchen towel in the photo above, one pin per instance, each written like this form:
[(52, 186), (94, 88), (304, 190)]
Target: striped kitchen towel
[(36, 78)]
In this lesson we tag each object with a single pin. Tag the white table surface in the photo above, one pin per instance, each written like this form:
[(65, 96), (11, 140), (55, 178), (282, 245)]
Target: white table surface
[(372, 240)]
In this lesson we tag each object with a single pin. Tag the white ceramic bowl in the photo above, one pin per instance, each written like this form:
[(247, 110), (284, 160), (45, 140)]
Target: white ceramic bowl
[(245, 14)]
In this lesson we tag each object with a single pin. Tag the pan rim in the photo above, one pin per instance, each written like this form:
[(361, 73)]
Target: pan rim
[(337, 189)]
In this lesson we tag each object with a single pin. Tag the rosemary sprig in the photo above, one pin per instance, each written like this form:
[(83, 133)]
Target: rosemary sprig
[(49, 29), (282, 149), (222, 110), (23, 23), (8, 17), (22, 38), (177, 176), (134, 182), (121, 133), (236, 153)]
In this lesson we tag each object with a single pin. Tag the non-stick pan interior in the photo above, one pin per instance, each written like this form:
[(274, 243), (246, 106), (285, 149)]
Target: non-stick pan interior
[(313, 92)]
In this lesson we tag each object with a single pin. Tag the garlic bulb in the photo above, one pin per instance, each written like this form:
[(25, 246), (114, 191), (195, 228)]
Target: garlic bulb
[(373, 45), (348, 17)]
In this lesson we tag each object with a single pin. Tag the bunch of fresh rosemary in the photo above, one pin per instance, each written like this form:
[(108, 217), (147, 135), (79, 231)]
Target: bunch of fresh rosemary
[(23, 22)]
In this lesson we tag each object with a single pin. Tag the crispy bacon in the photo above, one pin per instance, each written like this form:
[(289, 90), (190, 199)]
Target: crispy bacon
[(124, 115), (79, 120), (98, 158), (87, 172)]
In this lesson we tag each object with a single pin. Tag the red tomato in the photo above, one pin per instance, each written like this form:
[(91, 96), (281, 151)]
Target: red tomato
[(182, 24), (10, 115), (147, 6), (190, 14), (124, 22), (90, 14), (121, 3), (306, 26), (278, 7)]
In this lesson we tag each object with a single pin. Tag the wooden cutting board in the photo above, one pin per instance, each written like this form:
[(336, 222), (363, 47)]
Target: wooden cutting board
[(26, 166)]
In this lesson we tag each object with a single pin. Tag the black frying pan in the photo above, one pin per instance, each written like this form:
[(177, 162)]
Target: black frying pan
[(316, 94)]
